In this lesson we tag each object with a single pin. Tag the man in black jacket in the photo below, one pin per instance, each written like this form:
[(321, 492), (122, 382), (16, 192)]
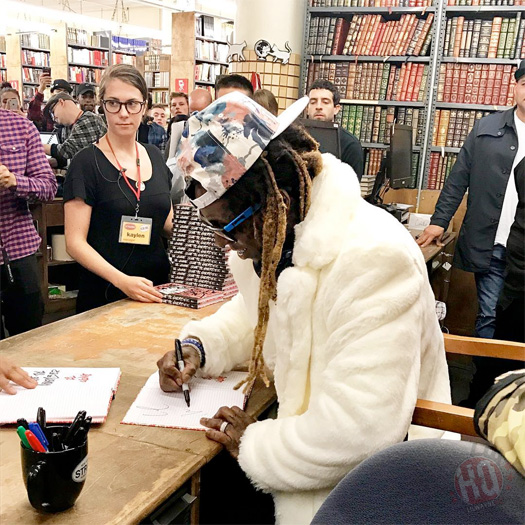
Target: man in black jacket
[(484, 165), (324, 106)]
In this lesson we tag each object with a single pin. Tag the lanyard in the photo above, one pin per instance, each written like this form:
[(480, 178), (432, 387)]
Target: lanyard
[(122, 170)]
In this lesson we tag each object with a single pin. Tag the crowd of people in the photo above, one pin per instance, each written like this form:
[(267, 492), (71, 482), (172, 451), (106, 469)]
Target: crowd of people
[(334, 296)]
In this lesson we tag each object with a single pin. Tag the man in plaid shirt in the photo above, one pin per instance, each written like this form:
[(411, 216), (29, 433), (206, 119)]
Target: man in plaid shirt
[(87, 127), (25, 175)]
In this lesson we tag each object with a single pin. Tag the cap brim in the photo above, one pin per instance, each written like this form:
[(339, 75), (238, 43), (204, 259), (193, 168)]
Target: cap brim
[(290, 114)]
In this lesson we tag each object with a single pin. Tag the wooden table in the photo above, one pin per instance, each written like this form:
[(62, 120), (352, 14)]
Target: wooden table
[(132, 469)]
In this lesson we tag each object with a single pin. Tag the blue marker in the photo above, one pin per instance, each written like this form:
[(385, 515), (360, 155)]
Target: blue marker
[(37, 431)]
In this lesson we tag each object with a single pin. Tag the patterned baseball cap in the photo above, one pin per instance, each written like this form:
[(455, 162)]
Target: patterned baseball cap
[(221, 143)]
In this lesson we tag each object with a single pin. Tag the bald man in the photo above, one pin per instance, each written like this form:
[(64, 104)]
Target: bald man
[(199, 99)]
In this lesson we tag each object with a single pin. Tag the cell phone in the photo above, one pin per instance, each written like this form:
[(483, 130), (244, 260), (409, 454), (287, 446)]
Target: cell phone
[(12, 104), (46, 71)]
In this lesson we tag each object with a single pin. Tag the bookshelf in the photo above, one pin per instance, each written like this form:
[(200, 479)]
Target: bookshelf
[(87, 55), (156, 71), (467, 77), (200, 48), (380, 59), (481, 47), (35, 53)]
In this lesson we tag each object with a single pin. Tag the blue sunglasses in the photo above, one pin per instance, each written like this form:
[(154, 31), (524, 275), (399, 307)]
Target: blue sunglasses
[(225, 231)]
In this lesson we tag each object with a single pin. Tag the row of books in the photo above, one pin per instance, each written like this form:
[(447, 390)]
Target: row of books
[(157, 80), (30, 74), (491, 84), (35, 58), (485, 2), (451, 126), (88, 57), (160, 97), (370, 3), (501, 37), (374, 81), (37, 40), (205, 26), (119, 58), (370, 35), (84, 74), (440, 168), (157, 62), (211, 51), (130, 45), (209, 72), (83, 38), (2, 61)]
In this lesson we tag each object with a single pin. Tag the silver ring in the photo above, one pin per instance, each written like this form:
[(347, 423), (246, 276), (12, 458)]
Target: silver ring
[(224, 424)]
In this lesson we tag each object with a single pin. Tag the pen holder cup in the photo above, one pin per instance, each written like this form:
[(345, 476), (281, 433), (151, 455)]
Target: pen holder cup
[(54, 480)]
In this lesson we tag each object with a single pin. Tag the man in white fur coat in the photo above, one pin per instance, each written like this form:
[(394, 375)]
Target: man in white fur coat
[(333, 297)]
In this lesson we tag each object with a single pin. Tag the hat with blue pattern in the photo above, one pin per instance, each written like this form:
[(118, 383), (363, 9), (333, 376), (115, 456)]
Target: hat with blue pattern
[(220, 143)]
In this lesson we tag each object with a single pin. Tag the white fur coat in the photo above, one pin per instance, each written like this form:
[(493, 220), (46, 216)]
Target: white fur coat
[(353, 341)]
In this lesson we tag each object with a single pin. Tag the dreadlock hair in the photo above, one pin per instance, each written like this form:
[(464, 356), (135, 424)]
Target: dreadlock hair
[(289, 162)]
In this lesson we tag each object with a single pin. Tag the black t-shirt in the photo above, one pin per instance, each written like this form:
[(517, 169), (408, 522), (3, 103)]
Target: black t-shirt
[(92, 178), (351, 152)]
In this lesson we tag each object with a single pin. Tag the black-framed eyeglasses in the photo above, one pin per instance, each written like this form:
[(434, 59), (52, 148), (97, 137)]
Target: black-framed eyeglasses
[(225, 231), (132, 106)]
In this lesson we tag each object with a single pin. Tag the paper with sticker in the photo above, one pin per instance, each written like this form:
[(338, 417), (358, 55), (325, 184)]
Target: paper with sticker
[(62, 392)]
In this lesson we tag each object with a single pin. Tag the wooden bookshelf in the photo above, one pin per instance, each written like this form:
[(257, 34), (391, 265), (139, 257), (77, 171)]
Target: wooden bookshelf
[(199, 56), (156, 71)]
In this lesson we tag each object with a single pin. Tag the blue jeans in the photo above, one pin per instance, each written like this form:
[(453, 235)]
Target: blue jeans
[(489, 285)]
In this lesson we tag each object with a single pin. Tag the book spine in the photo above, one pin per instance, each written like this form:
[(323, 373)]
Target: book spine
[(464, 34), (510, 42), (500, 50), (519, 39), (494, 37), (475, 38), (459, 34)]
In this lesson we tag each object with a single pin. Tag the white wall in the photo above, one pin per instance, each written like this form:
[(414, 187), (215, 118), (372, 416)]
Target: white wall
[(277, 21)]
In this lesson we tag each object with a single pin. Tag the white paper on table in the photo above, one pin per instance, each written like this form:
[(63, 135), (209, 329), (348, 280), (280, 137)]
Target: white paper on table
[(62, 392), (153, 407)]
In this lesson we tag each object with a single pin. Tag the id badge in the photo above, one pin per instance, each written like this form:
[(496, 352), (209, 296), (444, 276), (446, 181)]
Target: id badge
[(135, 230)]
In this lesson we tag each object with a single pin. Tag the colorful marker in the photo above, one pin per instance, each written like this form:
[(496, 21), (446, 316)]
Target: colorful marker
[(21, 431), (34, 442)]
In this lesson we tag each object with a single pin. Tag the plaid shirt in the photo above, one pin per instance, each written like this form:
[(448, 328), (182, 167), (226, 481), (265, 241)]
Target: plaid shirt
[(22, 153), (89, 128)]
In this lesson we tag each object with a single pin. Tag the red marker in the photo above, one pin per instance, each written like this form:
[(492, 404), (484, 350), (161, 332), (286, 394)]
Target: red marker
[(34, 442)]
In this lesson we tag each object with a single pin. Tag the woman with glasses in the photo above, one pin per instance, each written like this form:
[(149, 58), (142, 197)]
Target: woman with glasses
[(334, 299), (117, 202)]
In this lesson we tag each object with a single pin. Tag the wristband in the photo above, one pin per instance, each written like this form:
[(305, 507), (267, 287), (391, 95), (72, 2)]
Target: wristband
[(195, 343)]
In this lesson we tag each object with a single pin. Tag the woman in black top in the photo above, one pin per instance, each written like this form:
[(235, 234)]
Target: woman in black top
[(117, 202)]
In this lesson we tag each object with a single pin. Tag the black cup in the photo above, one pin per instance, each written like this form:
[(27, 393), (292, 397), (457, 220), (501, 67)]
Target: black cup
[(54, 480)]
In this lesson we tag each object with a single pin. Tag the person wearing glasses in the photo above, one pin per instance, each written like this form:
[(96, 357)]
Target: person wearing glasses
[(117, 202), (333, 297), (86, 127)]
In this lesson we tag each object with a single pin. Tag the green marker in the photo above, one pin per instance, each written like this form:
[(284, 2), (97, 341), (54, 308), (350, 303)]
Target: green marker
[(21, 431)]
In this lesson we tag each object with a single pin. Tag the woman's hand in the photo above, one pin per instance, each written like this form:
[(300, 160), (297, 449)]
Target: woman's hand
[(237, 419), (170, 378), (139, 289), (10, 372)]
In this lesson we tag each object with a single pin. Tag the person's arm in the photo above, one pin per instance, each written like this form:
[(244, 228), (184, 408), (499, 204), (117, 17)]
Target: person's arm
[(10, 372), (38, 181), (452, 193), (168, 225), (84, 133), (34, 109), (362, 399), (77, 217), (352, 155)]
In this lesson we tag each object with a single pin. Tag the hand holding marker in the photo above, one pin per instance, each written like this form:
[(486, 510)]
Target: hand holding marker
[(179, 363)]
